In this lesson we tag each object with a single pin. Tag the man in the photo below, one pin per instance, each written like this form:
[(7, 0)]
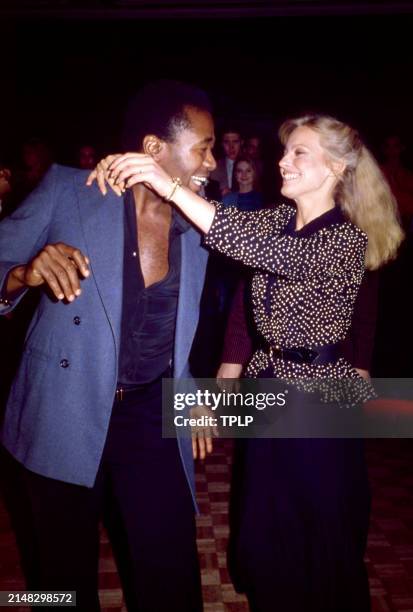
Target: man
[(399, 177), (122, 283), (87, 157), (253, 147), (5, 188), (231, 143)]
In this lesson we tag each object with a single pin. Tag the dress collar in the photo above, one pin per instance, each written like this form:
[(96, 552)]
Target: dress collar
[(330, 217)]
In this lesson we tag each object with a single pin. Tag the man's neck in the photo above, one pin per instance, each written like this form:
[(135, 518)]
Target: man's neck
[(149, 204)]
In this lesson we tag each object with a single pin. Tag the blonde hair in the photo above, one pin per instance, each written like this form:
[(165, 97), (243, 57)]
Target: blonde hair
[(362, 191)]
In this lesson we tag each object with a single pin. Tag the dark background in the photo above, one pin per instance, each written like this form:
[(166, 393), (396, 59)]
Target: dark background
[(66, 73), (67, 78)]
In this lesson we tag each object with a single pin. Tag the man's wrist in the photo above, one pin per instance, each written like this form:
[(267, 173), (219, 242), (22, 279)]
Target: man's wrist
[(15, 283)]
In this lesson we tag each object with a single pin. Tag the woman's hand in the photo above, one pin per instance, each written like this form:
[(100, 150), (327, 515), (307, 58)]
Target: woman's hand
[(228, 377), (122, 171), (133, 168), (102, 175), (363, 373)]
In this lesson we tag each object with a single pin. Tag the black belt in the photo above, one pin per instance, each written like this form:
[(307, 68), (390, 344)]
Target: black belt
[(319, 355), (125, 391)]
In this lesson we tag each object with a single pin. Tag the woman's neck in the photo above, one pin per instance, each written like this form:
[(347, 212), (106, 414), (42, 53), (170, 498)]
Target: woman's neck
[(245, 189), (308, 210)]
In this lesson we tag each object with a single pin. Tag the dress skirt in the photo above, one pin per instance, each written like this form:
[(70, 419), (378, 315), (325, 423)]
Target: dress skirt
[(299, 520)]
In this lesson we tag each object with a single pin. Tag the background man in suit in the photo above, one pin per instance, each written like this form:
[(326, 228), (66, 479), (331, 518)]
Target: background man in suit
[(231, 143), (122, 283)]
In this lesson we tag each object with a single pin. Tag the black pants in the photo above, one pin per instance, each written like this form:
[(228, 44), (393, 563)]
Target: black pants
[(141, 480)]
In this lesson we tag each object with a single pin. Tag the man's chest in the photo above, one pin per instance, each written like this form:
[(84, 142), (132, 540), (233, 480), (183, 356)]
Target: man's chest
[(153, 249)]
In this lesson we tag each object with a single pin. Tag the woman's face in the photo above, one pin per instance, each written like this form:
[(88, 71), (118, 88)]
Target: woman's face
[(304, 167), (244, 175)]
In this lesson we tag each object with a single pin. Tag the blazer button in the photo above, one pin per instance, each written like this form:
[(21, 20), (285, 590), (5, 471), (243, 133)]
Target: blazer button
[(76, 320), (64, 363)]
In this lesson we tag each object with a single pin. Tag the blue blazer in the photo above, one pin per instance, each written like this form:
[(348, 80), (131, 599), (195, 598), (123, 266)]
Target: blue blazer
[(60, 403)]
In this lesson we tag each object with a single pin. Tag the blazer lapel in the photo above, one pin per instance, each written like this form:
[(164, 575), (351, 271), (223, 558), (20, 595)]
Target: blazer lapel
[(102, 223), (193, 265)]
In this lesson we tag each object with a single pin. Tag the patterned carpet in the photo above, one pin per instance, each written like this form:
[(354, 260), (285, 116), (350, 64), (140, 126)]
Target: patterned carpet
[(390, 547)]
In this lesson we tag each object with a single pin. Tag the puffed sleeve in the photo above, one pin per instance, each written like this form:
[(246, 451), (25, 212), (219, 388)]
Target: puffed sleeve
[(255, 239)]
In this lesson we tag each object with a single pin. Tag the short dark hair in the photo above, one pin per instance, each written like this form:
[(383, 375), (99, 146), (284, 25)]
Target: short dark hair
[(160, 108), (231, 128)]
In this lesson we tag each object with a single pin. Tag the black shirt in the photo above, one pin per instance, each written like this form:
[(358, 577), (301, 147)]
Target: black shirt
[(148, 314)]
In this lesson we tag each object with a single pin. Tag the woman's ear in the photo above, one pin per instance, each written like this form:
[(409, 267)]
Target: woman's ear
[(153, 146), (337, 167)]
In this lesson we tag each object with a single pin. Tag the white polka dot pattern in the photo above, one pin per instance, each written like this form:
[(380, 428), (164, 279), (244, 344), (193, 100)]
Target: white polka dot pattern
[(303, 288)]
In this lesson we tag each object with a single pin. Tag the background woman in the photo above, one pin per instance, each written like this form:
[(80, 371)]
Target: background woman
[(245, 194), (303, 505)]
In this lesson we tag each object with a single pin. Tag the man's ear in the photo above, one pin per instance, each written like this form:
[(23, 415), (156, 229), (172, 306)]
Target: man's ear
[(153, 146)]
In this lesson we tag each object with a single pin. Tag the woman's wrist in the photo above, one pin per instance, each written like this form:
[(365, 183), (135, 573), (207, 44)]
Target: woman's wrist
[(175, 184)]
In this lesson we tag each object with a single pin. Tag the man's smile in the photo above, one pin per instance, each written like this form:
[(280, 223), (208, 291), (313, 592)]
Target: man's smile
[(199, 180)]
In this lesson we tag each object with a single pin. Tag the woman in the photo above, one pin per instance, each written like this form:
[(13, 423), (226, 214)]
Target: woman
[(245, 194), (300, 529)]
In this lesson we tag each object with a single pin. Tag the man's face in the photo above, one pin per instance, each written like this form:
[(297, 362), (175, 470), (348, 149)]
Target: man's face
[(231, 143), (392, 148), (252, 147), (189, 156), (87, 158), (5, 186)]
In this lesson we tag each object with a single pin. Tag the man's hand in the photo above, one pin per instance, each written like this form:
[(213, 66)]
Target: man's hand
[(59, 266), (231, 371), (202, 436)]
